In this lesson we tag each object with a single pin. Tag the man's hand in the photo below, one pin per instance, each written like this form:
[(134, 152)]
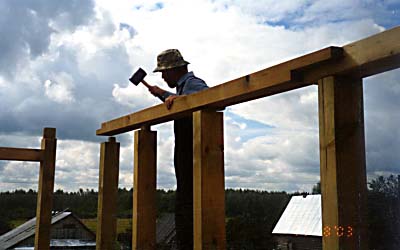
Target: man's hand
[(156, 91), (170, 100)]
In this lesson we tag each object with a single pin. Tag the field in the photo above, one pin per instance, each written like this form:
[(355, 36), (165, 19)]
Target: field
[(123, 225)]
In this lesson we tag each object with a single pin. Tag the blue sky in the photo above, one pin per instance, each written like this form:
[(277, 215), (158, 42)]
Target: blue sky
[(65, 64)]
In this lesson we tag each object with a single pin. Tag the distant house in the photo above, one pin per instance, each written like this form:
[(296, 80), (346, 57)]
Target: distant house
[(300, 226), (67, 232)]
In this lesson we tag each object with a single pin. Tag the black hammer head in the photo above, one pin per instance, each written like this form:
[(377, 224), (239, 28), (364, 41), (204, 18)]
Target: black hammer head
[(138, 76)]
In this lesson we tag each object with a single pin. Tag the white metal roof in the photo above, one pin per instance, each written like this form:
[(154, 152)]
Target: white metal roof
[(302, 216)]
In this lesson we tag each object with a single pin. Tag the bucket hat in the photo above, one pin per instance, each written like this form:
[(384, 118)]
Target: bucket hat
[(168, 59)]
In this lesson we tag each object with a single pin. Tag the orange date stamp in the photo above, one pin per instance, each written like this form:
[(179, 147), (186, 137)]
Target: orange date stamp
[(337, 231)]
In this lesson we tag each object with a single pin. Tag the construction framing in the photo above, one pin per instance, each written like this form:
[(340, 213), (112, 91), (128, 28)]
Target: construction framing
[(338, 71), (47, 158)]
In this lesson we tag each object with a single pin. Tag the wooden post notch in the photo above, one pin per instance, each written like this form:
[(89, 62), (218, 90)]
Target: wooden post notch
[(342, 156), (45, 190), (106, 235)]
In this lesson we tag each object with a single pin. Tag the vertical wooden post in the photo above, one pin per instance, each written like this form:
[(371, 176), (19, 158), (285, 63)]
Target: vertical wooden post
[(108, 195), (208, 180), (45, 191), (342, 156), (144, 190)]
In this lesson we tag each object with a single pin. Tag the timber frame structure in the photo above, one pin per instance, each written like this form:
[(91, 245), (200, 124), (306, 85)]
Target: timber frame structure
[(338, 71), (47, 158)]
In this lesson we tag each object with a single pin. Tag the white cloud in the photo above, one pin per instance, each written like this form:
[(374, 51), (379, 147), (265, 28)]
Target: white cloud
[(21, 20), (278, 157), (294, 111), (132, 96), (60, 88), (16, 175)]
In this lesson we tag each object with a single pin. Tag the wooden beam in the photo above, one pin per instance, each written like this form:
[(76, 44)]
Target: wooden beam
[(369, 56), (276, 79), (45, 191), (21, 154), (208, 180), (144, 190), (106, 236), (342, 156)]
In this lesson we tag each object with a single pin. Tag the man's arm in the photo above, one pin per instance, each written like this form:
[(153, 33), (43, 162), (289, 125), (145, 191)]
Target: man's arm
[(160, 93), (192, 86), (170, 100), (163, 95)]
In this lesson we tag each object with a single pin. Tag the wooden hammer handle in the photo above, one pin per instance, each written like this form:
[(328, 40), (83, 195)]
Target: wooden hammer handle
[(146, 84)]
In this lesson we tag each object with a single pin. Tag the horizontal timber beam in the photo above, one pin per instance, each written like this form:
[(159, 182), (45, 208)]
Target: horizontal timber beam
[(366, 57), (279, 78), (373, 55), (21, 154)]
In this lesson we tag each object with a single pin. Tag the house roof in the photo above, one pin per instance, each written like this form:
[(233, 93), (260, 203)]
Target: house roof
[(302, 216), (26, 230), (165, 232), (166, 229), (64, 243)]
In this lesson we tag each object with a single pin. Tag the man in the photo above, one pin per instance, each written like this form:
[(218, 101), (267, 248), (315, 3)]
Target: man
[(175, 73)]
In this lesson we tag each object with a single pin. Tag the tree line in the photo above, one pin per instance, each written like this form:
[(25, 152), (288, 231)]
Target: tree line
[(250, 214)]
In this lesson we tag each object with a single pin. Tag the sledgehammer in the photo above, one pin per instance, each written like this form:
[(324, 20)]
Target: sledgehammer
[(138, 77)]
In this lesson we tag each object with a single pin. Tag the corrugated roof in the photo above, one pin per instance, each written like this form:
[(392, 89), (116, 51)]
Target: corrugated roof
[(71, 242), (302, 216), (25, 230), (64, 243), (166, 229)]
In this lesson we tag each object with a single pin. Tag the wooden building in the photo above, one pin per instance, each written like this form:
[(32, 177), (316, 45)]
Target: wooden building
[(300, 226), (67, 232)]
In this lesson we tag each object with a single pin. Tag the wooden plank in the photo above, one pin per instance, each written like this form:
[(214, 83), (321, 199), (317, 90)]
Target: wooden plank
[(21, 154), (45, 191), (144, 190), (208, 180), (106, 236), (269, 81), (369, 56), (343, 172)]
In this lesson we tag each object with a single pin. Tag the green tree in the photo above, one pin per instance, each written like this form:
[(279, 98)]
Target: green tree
[(317, 188), (4, 225), (383, 213)]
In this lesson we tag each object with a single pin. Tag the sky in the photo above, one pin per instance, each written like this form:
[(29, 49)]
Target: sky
[(66, 64)]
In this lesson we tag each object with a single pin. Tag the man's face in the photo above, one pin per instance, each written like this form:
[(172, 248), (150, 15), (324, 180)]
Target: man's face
[(170, 76)]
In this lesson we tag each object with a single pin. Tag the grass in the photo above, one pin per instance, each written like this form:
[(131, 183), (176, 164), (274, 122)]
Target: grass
[(123, 225), (16, 223)]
